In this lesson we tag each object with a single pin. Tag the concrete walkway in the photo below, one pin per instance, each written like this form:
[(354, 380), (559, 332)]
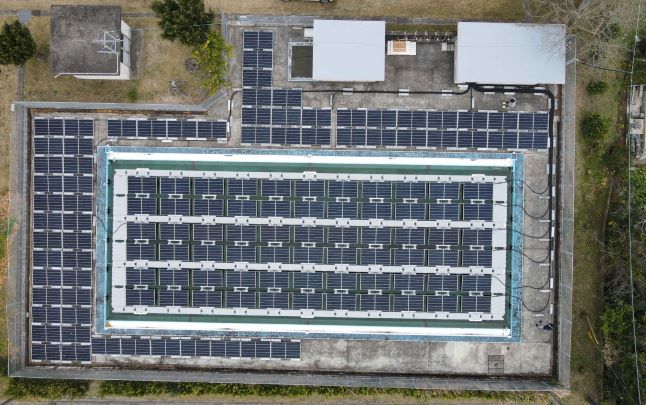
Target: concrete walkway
[(567, 161)]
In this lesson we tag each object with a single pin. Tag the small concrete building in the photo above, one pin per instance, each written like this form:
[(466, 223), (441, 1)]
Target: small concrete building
[(509, 53), (349, 51), (90, 42)]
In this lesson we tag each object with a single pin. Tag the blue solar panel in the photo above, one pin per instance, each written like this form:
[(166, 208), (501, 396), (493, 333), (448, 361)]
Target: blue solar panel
[(442, 304), (62, 146), (404, 119), (510, 140), (540, 140), (479, 258), (440, 129), (307, 301), (495, 140), (541, 122), (346, 302), (207, 299), (510, 121), (250, 40), (444, 191), (444, 211), (265, 40), (308, 280), (374, 302), (408, 303), (358, 118), (165, 129), (476, 304), (476, 283), (478, 212)]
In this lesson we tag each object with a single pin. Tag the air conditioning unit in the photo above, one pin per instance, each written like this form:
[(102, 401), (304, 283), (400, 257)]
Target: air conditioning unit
[(401, 47)]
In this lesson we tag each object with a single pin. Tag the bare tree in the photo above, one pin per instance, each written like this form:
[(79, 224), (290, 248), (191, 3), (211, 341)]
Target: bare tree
[(603, 28)]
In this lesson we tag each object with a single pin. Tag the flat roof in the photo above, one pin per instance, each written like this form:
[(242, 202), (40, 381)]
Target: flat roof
[(76, 34), (349, 50), (505, 53)]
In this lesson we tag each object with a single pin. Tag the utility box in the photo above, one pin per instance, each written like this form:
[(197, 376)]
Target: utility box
[(401, 47)]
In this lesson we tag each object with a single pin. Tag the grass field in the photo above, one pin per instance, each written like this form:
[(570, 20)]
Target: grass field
[(8, 80), (593, 182), (161, 61), (439, 9)]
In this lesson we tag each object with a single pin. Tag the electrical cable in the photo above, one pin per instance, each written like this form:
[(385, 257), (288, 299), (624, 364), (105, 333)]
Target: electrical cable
[(543, 261), (525, 184), (536, 311), (542, 216), (532, 236), (531, 287)]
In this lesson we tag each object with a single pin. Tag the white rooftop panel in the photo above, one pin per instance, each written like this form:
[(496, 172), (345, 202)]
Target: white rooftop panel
[(349, 51), (506, 53)]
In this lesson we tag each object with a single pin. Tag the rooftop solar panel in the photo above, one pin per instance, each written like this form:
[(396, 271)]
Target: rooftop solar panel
[(62, 146), (440, 129)]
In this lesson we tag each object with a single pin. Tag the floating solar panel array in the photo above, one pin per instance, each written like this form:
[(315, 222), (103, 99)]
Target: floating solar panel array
[(61, 282), (273, 116), (168, 129), (308, 290), (442, 129), (294, 252), (311, 198), (205, 347)]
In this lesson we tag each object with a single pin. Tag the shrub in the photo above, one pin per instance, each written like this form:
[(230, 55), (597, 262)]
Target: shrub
[(16, 44), (184, 20), (212, 58), (49, 389), (597, 87), (595, 126), (141, 388), (132, 95)]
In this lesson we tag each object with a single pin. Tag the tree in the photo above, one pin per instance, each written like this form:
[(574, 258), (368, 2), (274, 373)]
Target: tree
[(601, 27), (16, 44), (212, 58), (184, 20)]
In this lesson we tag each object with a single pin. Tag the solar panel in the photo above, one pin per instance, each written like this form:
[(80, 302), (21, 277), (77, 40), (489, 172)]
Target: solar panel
[(441, 129), (374, 302), (476, 283), (408, 303), (478, 212), (476, 304), (171, 129), (62, 146), (478, 258), (257, 59), (444, 211), (346, 302), (307, 301)]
